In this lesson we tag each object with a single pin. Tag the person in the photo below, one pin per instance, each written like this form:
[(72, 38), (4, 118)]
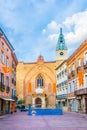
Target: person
[(23, 108)]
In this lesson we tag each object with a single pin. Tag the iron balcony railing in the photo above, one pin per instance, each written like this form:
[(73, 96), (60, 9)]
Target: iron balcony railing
[(81, 91), (61, 96)]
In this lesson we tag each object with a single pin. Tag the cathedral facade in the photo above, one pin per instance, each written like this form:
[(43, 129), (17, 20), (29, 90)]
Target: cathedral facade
[(36, 81)]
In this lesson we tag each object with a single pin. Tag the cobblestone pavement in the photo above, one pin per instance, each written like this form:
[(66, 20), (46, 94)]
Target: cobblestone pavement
[(21, 121)]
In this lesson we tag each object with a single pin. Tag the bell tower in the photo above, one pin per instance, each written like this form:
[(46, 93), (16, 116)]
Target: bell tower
[(61, 48)]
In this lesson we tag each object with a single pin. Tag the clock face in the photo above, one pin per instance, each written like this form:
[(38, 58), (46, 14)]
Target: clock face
[(61, 53)]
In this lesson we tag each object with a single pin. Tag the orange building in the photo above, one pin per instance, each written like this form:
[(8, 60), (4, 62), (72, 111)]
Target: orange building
[(8, 62), (36, 82), (77, 79)]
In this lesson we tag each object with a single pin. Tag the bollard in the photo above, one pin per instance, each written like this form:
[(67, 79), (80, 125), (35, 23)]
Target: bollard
[(29, 110)]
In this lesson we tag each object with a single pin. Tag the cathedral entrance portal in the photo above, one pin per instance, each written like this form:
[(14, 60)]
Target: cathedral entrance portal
[(38, 102)]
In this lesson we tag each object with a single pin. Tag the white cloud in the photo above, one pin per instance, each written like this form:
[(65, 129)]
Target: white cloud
[(53, 26), (77, 23), (75, 26), (53, 37)]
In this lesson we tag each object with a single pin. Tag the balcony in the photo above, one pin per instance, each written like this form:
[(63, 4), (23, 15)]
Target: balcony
[(73, 73), (2, 87), (85, 65), (63, 96), (7, 89), (81, 91)]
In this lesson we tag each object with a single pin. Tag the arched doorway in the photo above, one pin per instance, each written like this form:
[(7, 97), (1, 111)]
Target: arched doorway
[(38, 102)]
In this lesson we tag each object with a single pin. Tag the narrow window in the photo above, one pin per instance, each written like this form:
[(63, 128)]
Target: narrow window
[(7, 61), (7, 81), (79, 62), (40, 81), (2, 57), (86, 58), (2, 78)]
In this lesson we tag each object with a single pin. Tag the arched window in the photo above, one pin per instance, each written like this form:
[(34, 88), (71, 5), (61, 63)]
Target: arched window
[(40, 81)]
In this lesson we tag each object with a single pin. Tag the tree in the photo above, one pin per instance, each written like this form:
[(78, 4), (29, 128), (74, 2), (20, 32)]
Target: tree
[(21, 101)]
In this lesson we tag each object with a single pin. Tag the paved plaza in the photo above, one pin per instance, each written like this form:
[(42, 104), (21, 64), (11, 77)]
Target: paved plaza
[(21, 121)]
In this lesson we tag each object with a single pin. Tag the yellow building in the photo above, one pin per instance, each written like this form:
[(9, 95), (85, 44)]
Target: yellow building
[(36, 81)]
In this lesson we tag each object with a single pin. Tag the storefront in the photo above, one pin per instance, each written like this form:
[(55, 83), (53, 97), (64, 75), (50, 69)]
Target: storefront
[(6, 106), (81, 97), (72, 104)]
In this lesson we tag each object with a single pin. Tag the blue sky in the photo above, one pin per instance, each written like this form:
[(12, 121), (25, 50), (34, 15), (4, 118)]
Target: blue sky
[(32, 26)]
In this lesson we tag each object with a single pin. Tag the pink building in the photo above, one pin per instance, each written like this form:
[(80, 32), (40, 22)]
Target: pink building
[(77, 79), (8, 62)]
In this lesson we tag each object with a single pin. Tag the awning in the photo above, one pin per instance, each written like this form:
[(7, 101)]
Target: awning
[(63, 100), (7, 99), (58, 100), (71, 97)]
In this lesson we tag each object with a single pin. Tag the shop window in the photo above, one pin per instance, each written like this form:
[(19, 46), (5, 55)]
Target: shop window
[(2, 105), (79, 104)]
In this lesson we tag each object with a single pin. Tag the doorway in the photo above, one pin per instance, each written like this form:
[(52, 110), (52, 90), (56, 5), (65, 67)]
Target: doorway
[(86, 105), (38, 102), (74, 105)]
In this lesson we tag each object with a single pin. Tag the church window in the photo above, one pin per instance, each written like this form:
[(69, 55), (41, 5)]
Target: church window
[(40, 81)]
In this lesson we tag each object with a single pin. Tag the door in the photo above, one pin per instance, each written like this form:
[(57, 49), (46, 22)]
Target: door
[(38, 102), (74, 105), (86, 105), (7, 107)]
